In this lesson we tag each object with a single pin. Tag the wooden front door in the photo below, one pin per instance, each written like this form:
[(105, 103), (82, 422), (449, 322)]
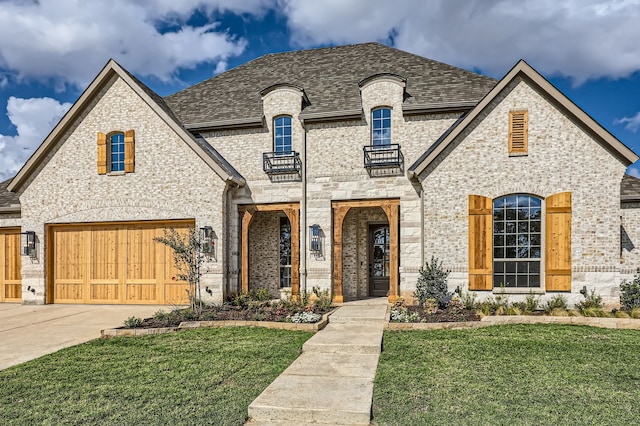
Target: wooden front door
[(379, 260), (10, 266)]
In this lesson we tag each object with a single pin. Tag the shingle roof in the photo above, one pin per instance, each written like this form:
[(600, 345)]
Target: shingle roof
[(630, 188), (7, 198), (330, 78)]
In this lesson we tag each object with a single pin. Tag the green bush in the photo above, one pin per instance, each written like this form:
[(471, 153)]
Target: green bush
[(432, 284), (557, 303), (592, 302), (132, 322), (630, 293)]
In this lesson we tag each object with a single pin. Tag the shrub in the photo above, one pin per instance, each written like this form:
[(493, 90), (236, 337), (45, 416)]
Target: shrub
[(401, 314), (557, 302), (630, 293), (432, 284), (469, 300), (304, 317), (591, 302), (132, 322), (532, 303)]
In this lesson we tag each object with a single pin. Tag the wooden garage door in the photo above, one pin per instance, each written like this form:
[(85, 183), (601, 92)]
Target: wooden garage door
[(10, 265), (114, 263)]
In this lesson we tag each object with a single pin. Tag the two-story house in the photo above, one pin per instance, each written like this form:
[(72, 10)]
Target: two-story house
[(342, 168)]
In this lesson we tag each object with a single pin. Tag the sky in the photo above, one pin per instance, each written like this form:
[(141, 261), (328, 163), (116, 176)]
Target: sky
[(50, 50)]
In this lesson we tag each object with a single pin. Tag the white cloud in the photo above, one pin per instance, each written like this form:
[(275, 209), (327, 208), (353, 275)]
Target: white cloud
[(630, 123), (581, 39), (70, 40), (33, 118), (634, 171)]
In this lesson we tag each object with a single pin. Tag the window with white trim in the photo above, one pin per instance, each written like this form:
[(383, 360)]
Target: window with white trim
[(381, 127)]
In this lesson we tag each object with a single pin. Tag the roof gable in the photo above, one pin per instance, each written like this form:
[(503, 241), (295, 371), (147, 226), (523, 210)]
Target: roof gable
[(524, 70), (155, 102), (330, 78)]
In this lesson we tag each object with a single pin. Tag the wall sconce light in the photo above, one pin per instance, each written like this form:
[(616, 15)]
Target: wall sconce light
[(28, 243), (208, 240), (315, 240)]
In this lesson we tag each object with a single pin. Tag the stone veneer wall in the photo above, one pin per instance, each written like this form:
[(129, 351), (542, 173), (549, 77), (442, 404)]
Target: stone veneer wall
[(561, 157), (10, 220), (170, 182), (629, 240), (264, 253)]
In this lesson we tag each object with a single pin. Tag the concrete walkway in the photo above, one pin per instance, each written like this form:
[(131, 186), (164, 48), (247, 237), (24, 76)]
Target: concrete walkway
[(28, 332), (332, 380)]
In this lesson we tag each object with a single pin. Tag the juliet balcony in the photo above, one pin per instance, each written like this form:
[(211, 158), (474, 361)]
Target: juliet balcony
[(282, 165), (383, 160)]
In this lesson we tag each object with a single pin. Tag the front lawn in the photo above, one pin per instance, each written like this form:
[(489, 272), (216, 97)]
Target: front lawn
[(204, 376), (509, 375)]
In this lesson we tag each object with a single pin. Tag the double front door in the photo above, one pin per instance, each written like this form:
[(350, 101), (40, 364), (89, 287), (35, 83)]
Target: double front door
[(379, 260)]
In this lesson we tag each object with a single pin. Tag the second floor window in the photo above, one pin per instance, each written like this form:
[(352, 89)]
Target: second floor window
[(116, 147), (381, 127), (282, 135)]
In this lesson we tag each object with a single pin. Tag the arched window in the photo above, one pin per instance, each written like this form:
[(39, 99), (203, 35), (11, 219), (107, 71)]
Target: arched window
[(517, 241), (381, 127), (116, 149), (282, 135)]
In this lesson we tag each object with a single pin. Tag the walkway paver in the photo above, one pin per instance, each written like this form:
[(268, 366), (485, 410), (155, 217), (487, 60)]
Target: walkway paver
[(28, 332), (332, 380)]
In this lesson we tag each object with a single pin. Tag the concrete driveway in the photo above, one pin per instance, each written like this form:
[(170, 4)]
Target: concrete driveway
[(28, 332)]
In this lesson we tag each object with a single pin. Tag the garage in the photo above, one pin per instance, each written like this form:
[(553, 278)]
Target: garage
[(10, 265), (113, 263)]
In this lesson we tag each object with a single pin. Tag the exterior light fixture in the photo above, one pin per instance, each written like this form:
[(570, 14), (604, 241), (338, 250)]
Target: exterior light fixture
[(315, 241), (28, 243), (208, 240)]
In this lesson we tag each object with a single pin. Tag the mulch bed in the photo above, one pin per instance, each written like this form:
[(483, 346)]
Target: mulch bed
[(445, 315)]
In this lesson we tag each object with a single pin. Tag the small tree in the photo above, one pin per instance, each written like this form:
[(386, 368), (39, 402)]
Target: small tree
[(187, 257), (432, 284), (630, 293)]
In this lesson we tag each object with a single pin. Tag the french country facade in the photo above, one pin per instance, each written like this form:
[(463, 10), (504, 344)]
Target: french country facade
[(343, 169)]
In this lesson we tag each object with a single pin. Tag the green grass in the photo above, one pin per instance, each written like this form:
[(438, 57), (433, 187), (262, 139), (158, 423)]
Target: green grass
[(205, 376), (509, 375)]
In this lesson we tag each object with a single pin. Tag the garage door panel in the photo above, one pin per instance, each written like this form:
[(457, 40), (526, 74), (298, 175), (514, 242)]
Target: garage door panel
[(10, 265), (115, 263)]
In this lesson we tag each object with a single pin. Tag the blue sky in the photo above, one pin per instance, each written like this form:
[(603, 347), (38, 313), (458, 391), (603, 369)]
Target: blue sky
[(50, 50)]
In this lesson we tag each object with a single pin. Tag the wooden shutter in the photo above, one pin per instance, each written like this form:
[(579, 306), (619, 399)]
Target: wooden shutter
[(480, 243), (518, 129), (558, 242), (129, 151), (102, 153)]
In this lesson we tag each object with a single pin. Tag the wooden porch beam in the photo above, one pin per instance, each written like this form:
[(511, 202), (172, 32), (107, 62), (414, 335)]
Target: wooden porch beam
[(293, 214), (392, 212), (339, 214), (247, 218)]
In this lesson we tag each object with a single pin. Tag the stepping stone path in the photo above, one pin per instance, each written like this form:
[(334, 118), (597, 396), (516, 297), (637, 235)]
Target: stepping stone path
[(331, 382)]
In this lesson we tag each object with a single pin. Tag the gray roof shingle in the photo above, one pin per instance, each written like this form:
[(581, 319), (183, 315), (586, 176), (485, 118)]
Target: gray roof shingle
[(330, 78), (7, 198), (630, 188)]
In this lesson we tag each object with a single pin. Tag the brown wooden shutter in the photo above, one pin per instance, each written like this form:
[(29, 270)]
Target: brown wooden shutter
[(102, 153), (129, 151), (558, 242), (480, 243), (518, 129)]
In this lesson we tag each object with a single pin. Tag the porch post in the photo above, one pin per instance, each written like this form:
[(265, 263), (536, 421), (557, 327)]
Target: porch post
[(391, 210), (247, 217), (339, 213), (293, 214)]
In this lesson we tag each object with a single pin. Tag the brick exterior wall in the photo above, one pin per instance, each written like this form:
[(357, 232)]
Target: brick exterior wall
[(264, 250), (561, 157), (170, 182)]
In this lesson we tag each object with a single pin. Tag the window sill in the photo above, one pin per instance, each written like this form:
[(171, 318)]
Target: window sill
[(115, 174), (518, 154), (518, 290)]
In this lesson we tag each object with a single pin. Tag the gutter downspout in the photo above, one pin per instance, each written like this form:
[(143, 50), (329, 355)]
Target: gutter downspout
[(303, 214), (422, 230)]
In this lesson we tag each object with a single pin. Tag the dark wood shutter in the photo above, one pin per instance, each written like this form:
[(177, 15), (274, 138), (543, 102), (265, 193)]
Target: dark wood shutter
[(129, 151), (518, 129), (102, 153), (558, 242), (480, 243)]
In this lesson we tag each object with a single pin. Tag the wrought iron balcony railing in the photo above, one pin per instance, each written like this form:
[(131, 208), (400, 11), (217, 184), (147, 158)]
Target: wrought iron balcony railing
[(277, 163), (383, 157)]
